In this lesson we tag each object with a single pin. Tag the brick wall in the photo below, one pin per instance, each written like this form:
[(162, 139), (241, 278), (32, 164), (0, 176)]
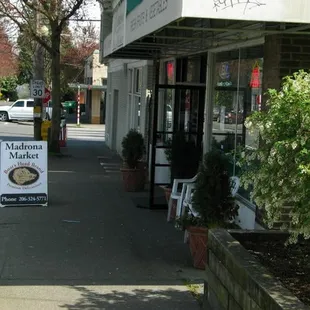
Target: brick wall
[(283, 55), (235, 280)]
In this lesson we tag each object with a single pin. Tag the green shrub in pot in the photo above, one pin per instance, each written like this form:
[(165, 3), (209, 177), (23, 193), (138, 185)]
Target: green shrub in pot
[(133, 148)]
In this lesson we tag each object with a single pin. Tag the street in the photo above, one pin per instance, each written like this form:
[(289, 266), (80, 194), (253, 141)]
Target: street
[(24, 130), (91, 248)]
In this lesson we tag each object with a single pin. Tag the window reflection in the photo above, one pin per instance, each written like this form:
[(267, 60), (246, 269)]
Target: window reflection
[(238, 93)]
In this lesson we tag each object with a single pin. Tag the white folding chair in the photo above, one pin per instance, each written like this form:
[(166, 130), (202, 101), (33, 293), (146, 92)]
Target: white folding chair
[(176, 194), (235, 184)]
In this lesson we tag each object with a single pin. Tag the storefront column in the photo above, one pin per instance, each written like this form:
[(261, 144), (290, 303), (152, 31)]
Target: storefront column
[(271, 67), (95, 108), (208, 117)]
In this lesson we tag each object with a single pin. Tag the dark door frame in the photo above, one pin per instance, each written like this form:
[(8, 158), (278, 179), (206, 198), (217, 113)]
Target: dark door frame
[(155, 133)]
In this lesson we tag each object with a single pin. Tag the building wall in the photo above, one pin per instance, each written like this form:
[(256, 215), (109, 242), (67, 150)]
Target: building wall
[(99, 71), (284, 55), (120, 110), (94, 74)]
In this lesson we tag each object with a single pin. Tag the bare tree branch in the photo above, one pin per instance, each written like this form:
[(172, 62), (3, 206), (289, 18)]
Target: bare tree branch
[(37, 8), (74, 9), (55, 15)]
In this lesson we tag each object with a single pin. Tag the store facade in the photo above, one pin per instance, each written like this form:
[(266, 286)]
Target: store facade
[(209, 66), (128, 92)]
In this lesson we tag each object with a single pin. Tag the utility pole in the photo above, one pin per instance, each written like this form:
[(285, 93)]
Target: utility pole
[(38, 74), (78, 106)]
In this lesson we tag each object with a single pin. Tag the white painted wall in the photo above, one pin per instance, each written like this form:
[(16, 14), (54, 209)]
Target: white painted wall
[(118, 80), (94, 69)]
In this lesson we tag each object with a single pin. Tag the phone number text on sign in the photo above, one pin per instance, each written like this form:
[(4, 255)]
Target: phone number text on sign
[(27, 199)]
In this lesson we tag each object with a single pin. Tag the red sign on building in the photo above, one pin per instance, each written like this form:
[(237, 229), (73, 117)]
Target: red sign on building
[(255, 77)]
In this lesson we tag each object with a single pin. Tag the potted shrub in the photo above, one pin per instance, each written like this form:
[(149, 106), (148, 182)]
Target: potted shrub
[(183, 157), (213, 200), (132, 153)]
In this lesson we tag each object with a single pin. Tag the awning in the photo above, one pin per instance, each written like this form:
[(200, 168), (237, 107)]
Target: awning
[(196, 35), (166, 28), (87, 86)]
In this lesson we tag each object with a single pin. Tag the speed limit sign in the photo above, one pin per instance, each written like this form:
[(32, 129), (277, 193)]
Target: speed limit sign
[(37, 89)]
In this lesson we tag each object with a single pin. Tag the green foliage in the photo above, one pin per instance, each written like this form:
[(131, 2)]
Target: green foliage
[(8, 83), (133, 148), (212, 197), (223, 98), (26, 48), (279, 170), (8, 86), (178, 152)]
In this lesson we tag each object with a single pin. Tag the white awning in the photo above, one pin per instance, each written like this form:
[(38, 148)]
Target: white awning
[(175, 27), (283, 11)]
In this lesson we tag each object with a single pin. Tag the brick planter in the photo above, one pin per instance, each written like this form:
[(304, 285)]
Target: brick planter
[(235, 280)]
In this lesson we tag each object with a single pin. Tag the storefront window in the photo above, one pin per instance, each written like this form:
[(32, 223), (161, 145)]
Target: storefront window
[(166, 101), (191, 69), (169, 72), (238, 92), (134, 97), (138, 80)]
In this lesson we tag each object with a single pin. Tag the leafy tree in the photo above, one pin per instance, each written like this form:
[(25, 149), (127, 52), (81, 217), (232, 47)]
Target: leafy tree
[(8, 59), (73, 50), (75, 53), (8, 87), (279, 170), (55, 16), (26, 47)]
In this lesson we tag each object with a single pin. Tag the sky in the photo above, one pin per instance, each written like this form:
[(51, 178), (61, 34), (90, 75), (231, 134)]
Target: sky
[(92, 12)]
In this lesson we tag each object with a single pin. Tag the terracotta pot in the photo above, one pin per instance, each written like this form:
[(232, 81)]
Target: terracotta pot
[(167, 191), (143, 167), (173, 213), (198, 238), (133, 179)]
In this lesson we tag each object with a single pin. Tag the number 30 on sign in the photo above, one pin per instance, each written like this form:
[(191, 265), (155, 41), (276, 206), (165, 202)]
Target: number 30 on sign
[(37, 89)]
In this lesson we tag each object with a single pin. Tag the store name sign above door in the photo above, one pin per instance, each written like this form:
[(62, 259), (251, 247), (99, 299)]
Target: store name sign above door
[(151, 12)]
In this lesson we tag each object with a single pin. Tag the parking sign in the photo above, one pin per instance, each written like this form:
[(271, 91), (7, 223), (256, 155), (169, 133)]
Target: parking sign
[(37, 89)]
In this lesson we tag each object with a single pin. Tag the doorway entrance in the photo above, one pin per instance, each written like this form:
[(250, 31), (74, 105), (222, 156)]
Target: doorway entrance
[(176, 108)]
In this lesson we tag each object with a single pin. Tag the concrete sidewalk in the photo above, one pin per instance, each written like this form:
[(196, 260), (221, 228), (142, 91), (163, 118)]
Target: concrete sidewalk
[(91, 248)]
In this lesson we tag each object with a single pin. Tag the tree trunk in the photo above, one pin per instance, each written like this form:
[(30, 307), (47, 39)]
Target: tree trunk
[(56, 114)]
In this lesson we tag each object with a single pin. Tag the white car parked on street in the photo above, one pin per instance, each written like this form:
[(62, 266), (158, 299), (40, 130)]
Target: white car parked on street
[(21, 110)]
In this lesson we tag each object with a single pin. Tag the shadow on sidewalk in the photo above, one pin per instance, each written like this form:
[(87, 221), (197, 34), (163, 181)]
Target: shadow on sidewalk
[(134, 298)]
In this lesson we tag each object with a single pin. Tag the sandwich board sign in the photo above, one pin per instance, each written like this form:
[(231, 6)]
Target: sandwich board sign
[(24, 173)]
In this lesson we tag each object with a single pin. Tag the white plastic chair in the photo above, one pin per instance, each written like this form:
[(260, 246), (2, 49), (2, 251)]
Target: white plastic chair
[(235, 184), (178, 195)]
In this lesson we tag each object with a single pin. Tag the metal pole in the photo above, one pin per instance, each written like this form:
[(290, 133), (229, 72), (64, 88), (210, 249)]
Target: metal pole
[(78, 105), (38, 74)]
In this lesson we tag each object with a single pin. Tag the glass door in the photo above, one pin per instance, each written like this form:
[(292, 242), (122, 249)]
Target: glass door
[(189, 112), (177, 109)]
